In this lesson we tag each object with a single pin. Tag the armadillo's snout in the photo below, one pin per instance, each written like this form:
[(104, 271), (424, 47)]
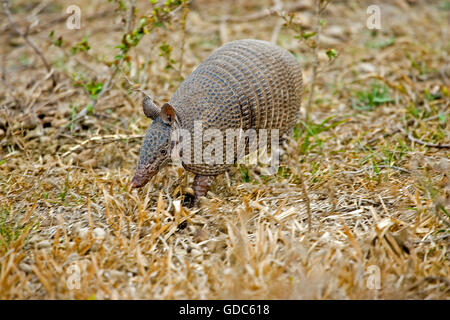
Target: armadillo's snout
[(138, 182), (140, 178)]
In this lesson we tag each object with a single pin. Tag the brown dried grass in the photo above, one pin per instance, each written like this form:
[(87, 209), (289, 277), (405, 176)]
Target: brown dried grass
[(247, 240)]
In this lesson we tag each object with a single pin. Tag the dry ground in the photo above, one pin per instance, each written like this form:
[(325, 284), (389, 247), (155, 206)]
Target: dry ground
[(376, 172)]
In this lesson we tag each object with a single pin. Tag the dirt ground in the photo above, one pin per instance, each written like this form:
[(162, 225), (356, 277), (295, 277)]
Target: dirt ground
[(370, 161)]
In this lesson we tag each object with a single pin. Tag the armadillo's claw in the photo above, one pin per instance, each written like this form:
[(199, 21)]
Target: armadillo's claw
[(201, 186)]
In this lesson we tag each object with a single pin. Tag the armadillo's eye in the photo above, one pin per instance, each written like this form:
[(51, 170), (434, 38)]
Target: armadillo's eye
[(163, 152)]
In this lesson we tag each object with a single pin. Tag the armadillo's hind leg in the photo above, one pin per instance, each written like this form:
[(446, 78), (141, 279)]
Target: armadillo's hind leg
[(201, 186)]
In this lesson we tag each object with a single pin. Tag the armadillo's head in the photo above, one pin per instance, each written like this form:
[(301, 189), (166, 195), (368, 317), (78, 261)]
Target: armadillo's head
[(157, 146)]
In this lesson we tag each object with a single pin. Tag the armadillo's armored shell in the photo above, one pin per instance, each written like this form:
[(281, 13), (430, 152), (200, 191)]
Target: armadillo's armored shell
[(244, 84)]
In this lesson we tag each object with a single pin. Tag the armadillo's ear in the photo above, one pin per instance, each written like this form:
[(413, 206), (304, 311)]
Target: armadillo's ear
[(167, 114), (150, 108)]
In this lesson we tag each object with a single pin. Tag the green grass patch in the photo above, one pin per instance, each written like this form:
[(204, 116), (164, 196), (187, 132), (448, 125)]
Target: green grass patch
[(369, 99), (309, 133), (10, 228)]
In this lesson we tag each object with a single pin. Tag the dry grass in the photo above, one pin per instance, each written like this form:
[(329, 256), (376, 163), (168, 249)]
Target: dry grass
[(379, 200)]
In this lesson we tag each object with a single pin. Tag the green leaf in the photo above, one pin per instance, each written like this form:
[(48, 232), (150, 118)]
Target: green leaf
[(332, 54), (83, 45), (375, 167), (244, 174), (306, 35), (445, 211), (56, 42), (380, 44)]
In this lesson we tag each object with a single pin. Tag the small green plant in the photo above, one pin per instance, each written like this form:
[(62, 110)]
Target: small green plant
[(120, 5), (58, 42), (420, 65), (158, 18), (442, 118), (244, 174), (93, 88), (165, 51), (81, 46), (444, 5), (379, 43), (431, 96), (284, 172), (414, 111), (24, 59), (391, 157), (367, 100), (10, 228), (311, 39), (63, 193), (332, 54), (311, 131)]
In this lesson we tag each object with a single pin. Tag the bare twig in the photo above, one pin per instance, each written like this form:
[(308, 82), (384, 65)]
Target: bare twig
[(380, 166), (432, 279), (277, 6), (320, 8), (427, 144), (183, 29), (397, 130), (385, 135), (276, 31), (104, 139), (115, 68), (306, 198), (223, 31), (113, 72), (261, 14), (24, 35), (131, 15)]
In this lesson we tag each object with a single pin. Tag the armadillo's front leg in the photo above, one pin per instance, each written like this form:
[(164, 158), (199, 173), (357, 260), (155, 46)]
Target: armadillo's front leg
[(201, 186)]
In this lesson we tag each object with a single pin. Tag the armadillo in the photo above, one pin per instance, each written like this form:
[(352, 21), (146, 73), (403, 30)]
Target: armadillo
[(246, 84)]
